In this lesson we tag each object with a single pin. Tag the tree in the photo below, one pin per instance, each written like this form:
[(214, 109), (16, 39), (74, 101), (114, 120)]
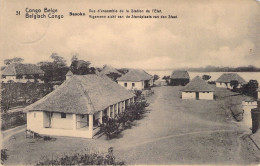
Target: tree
[(60, 61), (156, 77), (234, 84), (55, 70), (206, 77), (166, 78), (250, 88), (74, 57), (13, 60), (81, 67)]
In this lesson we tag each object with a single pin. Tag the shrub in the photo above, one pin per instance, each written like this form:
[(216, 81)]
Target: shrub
[(109, 127), (4, 155), (84, 159)]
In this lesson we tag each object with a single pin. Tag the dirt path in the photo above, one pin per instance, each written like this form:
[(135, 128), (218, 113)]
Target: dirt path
[(182, 132)]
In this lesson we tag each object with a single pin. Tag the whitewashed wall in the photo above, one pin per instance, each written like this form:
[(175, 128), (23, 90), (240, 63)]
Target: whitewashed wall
[(35, 120), (188, 95), (138, 85), (36, 124), (206, 96), (226, 85), (61, 123)]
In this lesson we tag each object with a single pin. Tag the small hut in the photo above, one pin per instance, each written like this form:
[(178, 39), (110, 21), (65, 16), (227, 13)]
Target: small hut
[(224, 81), (198, 89), (179, 78)]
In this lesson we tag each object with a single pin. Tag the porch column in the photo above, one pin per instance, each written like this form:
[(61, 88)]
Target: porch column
[(133, 99), (74, 121), (113, 111), (100, 117), (108, 112), (116, 108), (90, 124), (124, 105)]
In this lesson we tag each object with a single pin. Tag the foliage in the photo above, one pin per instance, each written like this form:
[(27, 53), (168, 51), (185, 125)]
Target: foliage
[(156, 77), (250, 89), (166, 78), (234, 84), (13, 60), (84, 159), (20, 94), (110, 127), (4, 155), (123, 70), (113, 76), (206, 77), (81, 67), (55, 70)]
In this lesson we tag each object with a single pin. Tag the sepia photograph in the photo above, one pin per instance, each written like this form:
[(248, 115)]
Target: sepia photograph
[(130, 82)]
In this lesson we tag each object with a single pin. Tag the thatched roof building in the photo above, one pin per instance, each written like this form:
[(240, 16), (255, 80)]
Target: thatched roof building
[(135, 75), (82, 94), (21, 69), (197, 84), (228, 77)]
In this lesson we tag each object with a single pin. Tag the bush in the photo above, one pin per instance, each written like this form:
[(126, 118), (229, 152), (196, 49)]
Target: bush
[(84, 159), (4, 155), (110, 127)]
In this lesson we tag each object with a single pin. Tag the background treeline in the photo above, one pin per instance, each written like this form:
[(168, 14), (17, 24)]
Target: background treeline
[(224, 69)]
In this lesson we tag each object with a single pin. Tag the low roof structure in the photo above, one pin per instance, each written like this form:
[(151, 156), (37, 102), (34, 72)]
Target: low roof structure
[(22, 69), (82, 94), (228, 77), (197, 84), (180, 75), (135, 75), (107, 69)]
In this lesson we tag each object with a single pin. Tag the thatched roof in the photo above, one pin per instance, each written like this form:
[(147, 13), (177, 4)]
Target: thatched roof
[(21, 69), (82, 94), (197, 84), (180, 75), (135, 75), (107, 69), (69, 73), (228, 77)]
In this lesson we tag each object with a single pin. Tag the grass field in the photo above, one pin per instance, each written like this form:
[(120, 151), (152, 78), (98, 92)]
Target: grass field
[(175, 131)]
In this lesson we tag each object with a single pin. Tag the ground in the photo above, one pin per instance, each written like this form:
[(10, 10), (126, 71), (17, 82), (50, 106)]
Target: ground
[(175, 131)]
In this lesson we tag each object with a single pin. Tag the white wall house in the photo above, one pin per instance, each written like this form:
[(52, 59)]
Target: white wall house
[(136, 80), (224, 80), (198, 89), (22, 73), (77, 107), (132, 85)]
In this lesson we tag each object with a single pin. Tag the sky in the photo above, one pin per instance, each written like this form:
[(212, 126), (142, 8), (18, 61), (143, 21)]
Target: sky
[(206, 32)]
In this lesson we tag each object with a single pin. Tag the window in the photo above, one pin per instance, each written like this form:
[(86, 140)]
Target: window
[(220, 83), (82, 116), (133, 84), (125, 84), (3, 76), (34, 115), (63, 115)]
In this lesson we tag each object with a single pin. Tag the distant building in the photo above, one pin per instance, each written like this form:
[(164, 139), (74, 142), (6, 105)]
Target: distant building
[(77, 106), (136, 79), (22, 73), (179, 78), (225, 79), (69, 74), (198, 89)]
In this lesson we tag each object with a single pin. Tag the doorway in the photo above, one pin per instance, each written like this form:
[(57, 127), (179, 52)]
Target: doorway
[(197, 96)]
